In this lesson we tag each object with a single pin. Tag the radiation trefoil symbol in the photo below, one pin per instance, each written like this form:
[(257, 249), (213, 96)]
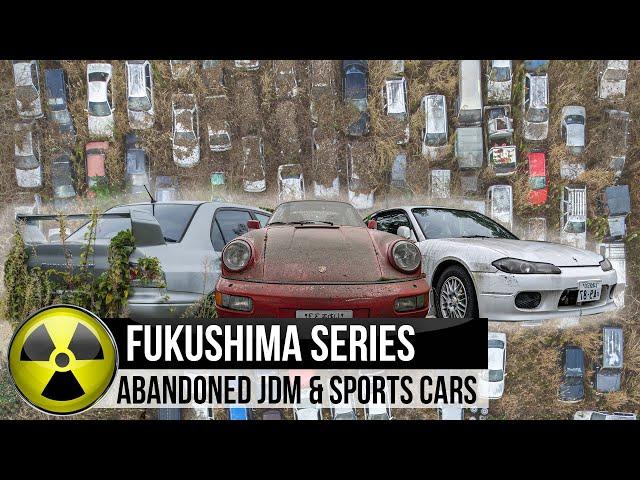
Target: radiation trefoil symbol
[(62, 359)]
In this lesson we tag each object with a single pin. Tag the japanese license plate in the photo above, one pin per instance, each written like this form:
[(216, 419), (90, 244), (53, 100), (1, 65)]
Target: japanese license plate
[(589, 291), (324, 313)]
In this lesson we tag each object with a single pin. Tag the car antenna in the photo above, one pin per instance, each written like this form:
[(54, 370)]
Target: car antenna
[(153, 200)]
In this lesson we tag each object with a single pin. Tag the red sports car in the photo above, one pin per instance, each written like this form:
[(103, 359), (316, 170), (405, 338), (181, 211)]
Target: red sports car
[(537, 178), (317, 259)]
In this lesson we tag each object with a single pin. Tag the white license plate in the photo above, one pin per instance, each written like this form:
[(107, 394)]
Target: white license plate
[(589, 291), (324, 313)]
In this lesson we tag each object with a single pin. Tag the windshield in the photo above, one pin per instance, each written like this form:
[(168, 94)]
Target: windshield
[(495, 375), (99, 109), (536, 183), (574, 119), (436, 139), (139, 104), (184, 137), (500, 74), (575, 227), (355, 85), (219, 139), (538, 115), (443, 223), (334, 213)]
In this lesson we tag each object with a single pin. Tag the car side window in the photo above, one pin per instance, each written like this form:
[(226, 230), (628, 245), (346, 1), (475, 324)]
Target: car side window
[(231, 223), (263, 219), (174, 219), (391, 221)]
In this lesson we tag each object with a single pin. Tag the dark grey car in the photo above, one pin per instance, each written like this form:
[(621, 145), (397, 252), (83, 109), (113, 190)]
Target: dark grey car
[(572, 386), (57, 90), (355, 87), (137, 174), (63, 178)]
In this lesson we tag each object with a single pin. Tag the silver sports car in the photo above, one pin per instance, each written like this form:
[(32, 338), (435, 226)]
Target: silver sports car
[(476, 267), (187, 238)]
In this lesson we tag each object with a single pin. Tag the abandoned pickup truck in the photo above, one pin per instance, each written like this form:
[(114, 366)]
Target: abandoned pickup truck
[(187, 238)]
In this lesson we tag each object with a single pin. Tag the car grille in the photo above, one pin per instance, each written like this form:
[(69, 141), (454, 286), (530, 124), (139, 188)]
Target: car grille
[(528, 300)]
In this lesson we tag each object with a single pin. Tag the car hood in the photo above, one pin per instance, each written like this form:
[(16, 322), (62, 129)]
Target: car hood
[(320, 254), (140, 119), (499, 90), (101, 126), (186, 155), (536, 131), (559, 255)]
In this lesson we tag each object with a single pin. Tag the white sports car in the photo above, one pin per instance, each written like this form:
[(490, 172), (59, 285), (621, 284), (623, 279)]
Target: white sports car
[(477, 268), (99, 100), (491, 384)]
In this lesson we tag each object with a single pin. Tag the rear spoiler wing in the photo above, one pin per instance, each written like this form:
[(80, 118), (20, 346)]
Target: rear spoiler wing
[(144, 226)]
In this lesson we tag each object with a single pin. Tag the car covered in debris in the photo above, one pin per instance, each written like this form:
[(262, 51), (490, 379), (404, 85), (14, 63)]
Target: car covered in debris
[(95, 157), (571, 169), (182, 68), (440, 183), (398, 177), (185, 130), (295, 268), (216, 111), (617, 140), (395, 101), (478, 268), (253, 164), (469, 148), (322, 92), (290, 182), (612, 79), (186, 237), (598, 415), (26, 77), (213, 75), (136, 166), (57, 89), (500, 204), (324, 162), (355, 86), (538, 178), (249, 65), (28, 165), (287, 130), (609, 374), (140, 104), (359, 192), (499, 78), (501, 149), (63, 178), (435, 134), (572, 386), (573, 127), (491, 381), (285, 82), (618, 208), (100, 104), (535, 107), (573, 217)]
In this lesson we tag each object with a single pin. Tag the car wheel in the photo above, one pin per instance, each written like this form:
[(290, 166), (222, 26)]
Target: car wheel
[(455, 296), (169, 414)]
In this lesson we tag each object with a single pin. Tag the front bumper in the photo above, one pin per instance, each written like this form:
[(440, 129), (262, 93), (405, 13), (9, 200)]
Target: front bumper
[(497, 292), (274, 300)]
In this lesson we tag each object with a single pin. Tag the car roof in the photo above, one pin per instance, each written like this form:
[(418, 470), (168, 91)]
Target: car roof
[(501, 63), (54, 81), (198, 202), (539, 90), (574, 357), (436, 112), (22, 73), (395, 93), (135, 79)]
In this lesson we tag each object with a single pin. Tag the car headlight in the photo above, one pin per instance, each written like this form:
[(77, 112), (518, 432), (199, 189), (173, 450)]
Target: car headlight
[(236, 255), (405, 256), (514, 265), (606, 265)]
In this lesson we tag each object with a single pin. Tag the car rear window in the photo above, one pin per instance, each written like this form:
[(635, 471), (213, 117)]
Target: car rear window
[(174, 219)]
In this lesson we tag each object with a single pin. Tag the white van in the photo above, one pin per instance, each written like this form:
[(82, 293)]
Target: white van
[(469, 93)]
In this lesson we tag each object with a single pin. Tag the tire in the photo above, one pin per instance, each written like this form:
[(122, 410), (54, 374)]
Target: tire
[(456, 277), (169, 413)]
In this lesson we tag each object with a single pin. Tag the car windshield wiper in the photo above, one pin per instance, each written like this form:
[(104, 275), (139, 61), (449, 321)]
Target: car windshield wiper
[(301, 222), (474, 236)]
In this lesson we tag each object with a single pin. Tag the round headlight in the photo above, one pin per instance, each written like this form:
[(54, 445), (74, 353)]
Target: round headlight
[(236, 255), (406, 256)]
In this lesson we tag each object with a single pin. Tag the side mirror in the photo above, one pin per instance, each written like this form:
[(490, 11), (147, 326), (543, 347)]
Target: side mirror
[(404, 231), (253, 224), (372, 224)]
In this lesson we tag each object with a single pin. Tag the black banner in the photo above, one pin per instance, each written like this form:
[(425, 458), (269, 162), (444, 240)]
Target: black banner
[(367, 343)]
